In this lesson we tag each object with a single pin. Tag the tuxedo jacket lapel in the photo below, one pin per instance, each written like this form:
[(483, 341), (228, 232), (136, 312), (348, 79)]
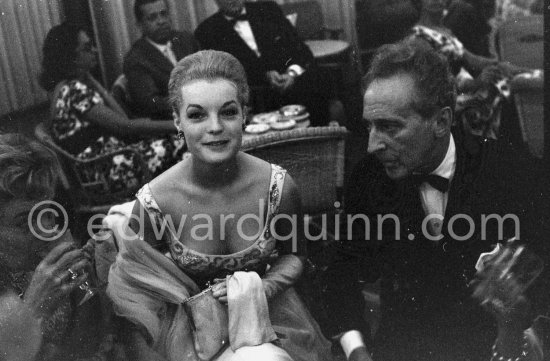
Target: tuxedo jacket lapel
[(464, 182), (258, 29), (232, 37)]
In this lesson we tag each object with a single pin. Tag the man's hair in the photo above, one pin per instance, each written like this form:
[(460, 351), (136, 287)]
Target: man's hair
[(429, 69), (28, 169), (139, 3), (207, 65)]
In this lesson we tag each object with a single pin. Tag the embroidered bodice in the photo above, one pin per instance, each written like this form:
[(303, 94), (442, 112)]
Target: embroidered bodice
[(204, 267)]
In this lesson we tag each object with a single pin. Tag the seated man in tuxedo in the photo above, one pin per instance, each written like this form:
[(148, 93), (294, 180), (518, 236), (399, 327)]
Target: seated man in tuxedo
[(273, 56), (434, 185), (148, 64)]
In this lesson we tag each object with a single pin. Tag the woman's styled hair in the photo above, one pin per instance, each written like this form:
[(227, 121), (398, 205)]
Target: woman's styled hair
[(207, 65), (28, 169), (434, 81), (59, 54)]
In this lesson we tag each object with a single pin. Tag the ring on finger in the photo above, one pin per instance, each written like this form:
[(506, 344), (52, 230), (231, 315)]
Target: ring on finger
[(73, 274)]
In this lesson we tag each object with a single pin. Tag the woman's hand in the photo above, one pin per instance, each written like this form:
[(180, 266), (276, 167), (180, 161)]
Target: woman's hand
[(219, 290), (52, 280)]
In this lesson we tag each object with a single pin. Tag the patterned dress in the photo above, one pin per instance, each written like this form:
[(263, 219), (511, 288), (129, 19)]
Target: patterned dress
[(203, 268), (86, 140), (298, 332), (479, 108)]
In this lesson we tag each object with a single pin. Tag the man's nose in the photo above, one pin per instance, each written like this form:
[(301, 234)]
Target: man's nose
[(162, 19), (376, 143)]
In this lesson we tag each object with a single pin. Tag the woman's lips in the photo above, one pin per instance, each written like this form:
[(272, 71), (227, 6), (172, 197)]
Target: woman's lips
[(217, 143)]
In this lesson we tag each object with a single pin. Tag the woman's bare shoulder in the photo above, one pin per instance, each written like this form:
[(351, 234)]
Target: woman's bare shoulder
[(165, 185), (255, 166)]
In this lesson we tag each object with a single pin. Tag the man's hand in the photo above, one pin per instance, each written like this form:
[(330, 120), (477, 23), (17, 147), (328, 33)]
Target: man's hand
[(274, 79), (287, 82), (280, 82)]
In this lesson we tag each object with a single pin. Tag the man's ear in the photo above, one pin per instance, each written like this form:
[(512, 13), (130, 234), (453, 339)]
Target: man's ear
[(443, 121)]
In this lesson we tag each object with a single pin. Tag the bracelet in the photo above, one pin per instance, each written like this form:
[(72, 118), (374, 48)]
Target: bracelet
[(524, 352)]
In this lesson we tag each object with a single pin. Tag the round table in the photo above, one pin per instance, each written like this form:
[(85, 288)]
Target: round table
[(303, 124), (325, 48)]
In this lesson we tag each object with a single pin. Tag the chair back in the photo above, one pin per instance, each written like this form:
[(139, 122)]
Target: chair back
[(309, 18), (67, 177), (89, 196), (314, 157)]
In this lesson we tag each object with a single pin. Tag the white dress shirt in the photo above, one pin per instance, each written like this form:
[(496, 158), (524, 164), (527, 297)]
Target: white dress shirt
[(434, 202), (242, 27), (166, 50)]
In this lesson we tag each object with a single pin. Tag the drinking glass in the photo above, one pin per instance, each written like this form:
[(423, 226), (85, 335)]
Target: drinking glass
[(506, 277)]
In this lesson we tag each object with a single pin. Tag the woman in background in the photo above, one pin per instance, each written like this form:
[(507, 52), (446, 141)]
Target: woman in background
[(483, 83), (87, 122), (39, 314)]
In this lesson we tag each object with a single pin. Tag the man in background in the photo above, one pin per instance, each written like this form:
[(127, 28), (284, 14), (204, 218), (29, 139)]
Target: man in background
[(276, 60), (149, 62)]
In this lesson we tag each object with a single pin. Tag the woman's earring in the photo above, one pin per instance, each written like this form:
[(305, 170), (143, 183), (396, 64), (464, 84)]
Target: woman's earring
[(181, 135)]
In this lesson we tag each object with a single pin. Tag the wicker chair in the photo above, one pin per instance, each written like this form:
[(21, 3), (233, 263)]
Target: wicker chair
[(88, 197), (313, 156), (315, 159)]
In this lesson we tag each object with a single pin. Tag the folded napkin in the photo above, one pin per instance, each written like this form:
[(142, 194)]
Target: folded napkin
[(249, 323)]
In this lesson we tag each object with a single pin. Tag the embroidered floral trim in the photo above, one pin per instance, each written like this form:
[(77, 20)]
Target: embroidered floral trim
[(195, 263)]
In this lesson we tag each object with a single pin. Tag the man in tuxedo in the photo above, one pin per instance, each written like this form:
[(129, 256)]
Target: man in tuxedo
[(148, 64), (276, 60), (435, 185)]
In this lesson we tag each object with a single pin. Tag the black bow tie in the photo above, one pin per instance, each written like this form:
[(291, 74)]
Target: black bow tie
[(242, 17), (436, 181)]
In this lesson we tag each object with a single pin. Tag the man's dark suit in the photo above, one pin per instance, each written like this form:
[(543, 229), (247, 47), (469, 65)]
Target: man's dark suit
[(148, 72), (279, 46), (427, 311)]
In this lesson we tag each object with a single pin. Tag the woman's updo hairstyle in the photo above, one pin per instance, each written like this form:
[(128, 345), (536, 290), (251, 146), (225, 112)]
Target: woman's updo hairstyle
[(207, 65)]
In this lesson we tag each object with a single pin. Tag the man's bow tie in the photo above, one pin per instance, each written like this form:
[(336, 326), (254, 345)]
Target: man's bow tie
[(436, 181), (242, 17)]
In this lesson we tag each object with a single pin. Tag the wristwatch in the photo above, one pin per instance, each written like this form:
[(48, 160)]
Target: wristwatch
[(292, 73)]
